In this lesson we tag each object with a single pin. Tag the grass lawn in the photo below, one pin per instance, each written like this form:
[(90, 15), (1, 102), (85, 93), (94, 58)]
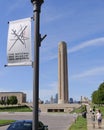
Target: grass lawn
[(15, 109), (79, 110), (12, 109), (5, 122), (80, 124)]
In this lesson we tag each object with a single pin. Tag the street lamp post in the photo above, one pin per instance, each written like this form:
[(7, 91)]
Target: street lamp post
[(36, 9)]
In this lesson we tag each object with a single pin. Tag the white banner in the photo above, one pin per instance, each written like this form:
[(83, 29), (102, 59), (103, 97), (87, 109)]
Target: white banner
[(19, 42)]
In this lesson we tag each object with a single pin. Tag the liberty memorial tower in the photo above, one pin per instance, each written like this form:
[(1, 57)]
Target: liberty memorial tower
[(62, 74)]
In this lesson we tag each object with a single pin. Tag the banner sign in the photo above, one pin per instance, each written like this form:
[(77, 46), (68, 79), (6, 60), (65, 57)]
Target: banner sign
[(19, 42)]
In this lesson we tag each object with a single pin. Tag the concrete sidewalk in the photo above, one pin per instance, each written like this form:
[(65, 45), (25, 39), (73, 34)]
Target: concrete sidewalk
[(89, 122)]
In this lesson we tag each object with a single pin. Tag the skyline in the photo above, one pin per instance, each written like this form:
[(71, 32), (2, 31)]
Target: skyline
[(80, 25)]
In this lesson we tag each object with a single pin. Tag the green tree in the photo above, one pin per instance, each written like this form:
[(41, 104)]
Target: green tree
[(101, 93), (2, 102), (13, 100), (8, 101), (95, 97), (98, 95)]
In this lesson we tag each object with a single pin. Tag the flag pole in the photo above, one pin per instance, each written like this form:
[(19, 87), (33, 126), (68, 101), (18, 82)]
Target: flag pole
[(37, 41)]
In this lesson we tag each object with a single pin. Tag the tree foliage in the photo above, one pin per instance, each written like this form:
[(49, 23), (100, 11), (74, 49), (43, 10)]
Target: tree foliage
[(98, 95), (13, 100), (95, 97), (10, 100)]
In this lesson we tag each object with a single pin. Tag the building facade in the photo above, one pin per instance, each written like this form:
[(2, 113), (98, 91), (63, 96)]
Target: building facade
[(21, 97), (62, 74)]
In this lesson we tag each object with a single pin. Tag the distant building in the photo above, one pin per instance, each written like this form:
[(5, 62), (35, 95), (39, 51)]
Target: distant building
[(21, 97), (71, 100), (51, 100), (56, 98), (84, 99)]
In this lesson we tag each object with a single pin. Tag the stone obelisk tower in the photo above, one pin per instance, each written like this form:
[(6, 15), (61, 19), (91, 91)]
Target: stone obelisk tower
[(62, 73)]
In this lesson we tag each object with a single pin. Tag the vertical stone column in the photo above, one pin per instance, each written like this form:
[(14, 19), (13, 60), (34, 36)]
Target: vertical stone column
[(62, 74)]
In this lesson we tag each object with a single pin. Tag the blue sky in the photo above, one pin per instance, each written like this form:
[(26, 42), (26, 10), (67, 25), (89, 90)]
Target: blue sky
[(80, 24)]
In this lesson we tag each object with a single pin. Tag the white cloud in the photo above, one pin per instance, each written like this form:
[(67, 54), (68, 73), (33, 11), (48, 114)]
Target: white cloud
[(55, 16), (15, 5), (94, 42), (29, 94), (45, 94), (92, 72), (50, 57), (53, 85)]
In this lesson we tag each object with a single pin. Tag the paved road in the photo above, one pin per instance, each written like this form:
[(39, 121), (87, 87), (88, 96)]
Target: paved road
[(55, 121)]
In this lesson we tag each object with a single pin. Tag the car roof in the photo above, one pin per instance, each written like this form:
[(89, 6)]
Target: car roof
[(28, 121)]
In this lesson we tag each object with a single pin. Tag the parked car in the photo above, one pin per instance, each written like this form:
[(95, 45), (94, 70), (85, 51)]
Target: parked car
[(25, 125)]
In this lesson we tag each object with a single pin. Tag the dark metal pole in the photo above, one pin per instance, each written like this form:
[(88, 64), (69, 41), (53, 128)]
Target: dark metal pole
[(37, 42)]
